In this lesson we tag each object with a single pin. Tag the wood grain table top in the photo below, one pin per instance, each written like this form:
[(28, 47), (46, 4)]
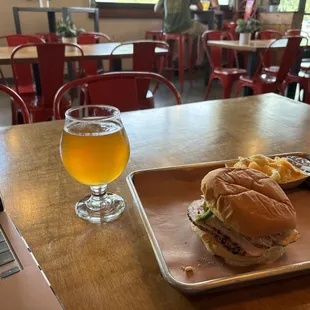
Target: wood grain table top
[(253, 46), (112, 266), (91, 51)]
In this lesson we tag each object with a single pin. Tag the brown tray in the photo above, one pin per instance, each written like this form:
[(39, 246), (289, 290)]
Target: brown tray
[(162, 197)]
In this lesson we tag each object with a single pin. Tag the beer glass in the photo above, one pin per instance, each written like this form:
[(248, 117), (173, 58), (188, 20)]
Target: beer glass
[(94, 150)]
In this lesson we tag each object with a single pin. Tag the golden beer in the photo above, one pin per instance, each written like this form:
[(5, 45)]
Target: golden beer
[(205, 5), (94, 153)]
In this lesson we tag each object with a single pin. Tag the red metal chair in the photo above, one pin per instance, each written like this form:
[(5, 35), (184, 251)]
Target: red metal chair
[(268, 34), (91, 66), (18, 102), (263, 82), (23, 71), (227, 75), (119, 89), (143, 60), (183, 40), (302, 78), (231, 28), (296, 32), (156, 35), (51, 62)]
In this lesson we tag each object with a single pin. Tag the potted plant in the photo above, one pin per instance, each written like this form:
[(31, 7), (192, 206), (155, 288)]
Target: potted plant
[(246, 28), (67, 30)]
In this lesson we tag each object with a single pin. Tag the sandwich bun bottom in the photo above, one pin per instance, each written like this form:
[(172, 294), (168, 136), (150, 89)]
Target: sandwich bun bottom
[(216, 248)]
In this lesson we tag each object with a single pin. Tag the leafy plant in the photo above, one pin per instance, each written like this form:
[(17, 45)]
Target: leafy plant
[(67, 29), (248, 26)]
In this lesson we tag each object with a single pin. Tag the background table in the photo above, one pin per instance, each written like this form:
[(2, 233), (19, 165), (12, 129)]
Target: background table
[(113, 266), (91, 51)]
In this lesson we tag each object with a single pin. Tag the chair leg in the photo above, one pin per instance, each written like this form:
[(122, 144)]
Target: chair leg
[(189, 60), (13, 112), (227, 86), (181, 62), (170, 59), (209, 87), (239, 87)]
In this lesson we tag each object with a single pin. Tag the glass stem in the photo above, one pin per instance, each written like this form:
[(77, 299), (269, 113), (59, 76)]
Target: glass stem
[(98, 195)]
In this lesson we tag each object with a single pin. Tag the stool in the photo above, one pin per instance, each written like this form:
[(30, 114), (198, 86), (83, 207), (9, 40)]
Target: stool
[(182, 40), (154, 35)]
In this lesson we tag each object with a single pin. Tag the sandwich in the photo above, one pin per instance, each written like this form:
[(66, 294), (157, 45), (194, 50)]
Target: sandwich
[(244, 216)]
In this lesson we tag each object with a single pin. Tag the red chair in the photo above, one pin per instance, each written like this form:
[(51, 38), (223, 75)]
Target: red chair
[(156, 35), (231, 28), (23, 71), (263, 82), (227, 75), (268, 34), (302, 78), (51, 62), (183, 40), (119, 89), (18, 102), (91, 66), (296, 32), (143, 60)]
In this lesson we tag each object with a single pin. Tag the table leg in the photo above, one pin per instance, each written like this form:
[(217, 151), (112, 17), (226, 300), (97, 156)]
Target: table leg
[(252, 63), (116, 64), (51, 22), (36, 77)]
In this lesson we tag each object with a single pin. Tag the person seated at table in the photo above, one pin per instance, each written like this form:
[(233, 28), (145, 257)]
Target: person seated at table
[(177, 18)]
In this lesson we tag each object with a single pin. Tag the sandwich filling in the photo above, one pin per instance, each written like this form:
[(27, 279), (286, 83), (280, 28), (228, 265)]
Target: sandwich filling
[(202, 217)]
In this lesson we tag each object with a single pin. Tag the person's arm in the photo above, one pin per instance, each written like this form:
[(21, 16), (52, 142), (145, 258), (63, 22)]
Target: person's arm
[(159, 6), (199, 5), (215, 4)]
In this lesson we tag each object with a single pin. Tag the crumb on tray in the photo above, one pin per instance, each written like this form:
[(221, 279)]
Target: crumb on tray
[(187, 268)]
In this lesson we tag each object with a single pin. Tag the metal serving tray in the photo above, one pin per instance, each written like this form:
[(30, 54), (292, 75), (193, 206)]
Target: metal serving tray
[(162, 197)]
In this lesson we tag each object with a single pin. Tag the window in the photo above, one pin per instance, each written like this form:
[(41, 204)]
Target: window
[(306, 21), (221, 2), (288, 6)]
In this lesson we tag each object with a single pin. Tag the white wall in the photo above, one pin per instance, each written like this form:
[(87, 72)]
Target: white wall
[(117, 29)]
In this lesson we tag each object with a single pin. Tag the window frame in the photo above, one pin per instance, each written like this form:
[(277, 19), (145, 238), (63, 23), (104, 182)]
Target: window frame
[(132, 10)]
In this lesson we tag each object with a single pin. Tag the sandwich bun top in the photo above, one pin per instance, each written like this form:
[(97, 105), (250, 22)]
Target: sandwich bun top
[(248, 201)]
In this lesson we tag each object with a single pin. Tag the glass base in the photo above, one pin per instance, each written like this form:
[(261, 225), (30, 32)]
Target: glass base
[(98, 211)]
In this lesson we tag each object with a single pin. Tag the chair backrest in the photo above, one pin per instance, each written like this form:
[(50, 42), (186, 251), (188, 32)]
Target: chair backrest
[(291, 51), (22, 70), (231, 28), (92, 38), (51, 61), (116, 88), (91, 67), (17, 100), (267, 34), (144, 55), (297, 32), (215, 54)]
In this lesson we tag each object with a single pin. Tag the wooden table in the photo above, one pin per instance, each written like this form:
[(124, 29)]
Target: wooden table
[(253, 46), (254, 49), (113, 266), (91, 51)]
